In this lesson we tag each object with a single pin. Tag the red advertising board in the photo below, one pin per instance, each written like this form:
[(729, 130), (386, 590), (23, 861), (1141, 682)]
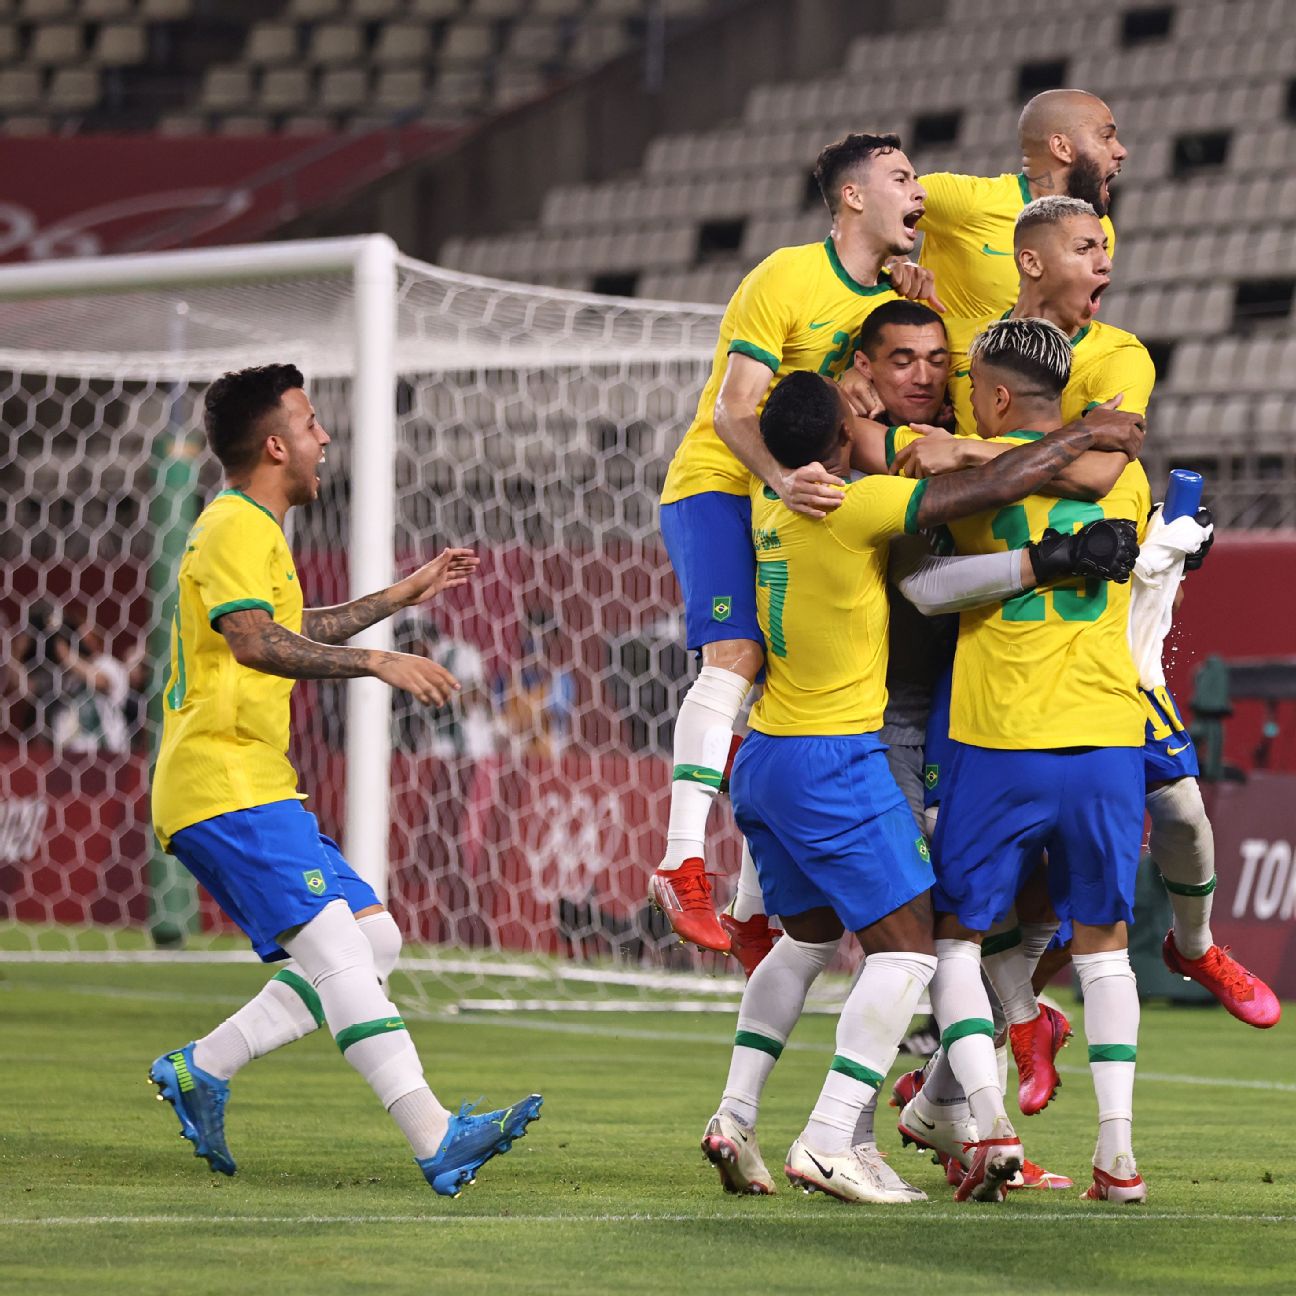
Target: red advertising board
[(88, 195)]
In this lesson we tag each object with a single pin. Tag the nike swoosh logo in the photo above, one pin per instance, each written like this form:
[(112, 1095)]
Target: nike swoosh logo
[(931, 1125), (821, 324), (1174, 751), (292, 576), (394, 1024), (989, 251), (961, 373), (827, 1174), (742, 1136)]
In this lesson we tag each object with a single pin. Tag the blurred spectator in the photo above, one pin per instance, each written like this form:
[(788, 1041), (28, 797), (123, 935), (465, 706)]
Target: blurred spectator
[(648, 667), (32, 674), (539, 698), (464, 727), (93, 693)]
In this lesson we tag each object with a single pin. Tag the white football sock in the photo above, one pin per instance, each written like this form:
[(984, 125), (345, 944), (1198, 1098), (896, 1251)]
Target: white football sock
[(963, 1010), (1111, 1013), (941, 1096), (1010, 974), (873, 1021), (287, 1007), (338, 962), (1035, 939), (771, 1005), (748, 900), (703, 734), (1182, 846)]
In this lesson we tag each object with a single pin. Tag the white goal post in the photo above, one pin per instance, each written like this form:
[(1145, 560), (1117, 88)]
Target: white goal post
[(512, 832)]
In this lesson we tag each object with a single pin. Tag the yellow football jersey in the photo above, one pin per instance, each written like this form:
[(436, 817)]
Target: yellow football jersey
[(822, 602), (1047, 668), (1104, 360), (798, 309), (225, 726), (967, 230)]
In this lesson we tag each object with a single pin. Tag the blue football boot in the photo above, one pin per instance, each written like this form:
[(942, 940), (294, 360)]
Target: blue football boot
[(471, 1141), (199, 1100)]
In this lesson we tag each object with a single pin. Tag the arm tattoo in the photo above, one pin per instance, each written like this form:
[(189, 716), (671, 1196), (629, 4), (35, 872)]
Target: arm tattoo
[(265, 645), (335, 625), (1004, 480)]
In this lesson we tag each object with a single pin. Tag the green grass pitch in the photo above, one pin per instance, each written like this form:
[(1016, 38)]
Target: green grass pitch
[(608, 1192)]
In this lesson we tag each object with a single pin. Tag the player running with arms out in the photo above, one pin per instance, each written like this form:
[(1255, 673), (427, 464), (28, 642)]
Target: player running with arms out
[(835, 844), (225, 798), (1044, 759), (800, 309)]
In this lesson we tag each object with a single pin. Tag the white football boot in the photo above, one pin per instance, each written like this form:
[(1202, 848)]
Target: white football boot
[(859, 1174), (730, 1145), (922, 1127)]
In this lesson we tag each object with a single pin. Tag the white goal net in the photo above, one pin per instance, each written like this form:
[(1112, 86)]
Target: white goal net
[(521, 822)]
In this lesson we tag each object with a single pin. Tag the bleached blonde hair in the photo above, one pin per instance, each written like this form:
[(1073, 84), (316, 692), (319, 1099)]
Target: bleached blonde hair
[(1034, 349)]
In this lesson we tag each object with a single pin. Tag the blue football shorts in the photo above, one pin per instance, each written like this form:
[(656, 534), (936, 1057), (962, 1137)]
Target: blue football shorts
[(939, 747), (270, 869), (708, 539), (828, 827), (1003, 809), (1168, 751)]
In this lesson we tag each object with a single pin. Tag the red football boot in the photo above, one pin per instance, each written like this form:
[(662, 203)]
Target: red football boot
[(1241, 992), (904, 1089), (1110, 1187), (994, 1163), (749, 941), (1032, 1176), (684, 896), (1034, 1048)]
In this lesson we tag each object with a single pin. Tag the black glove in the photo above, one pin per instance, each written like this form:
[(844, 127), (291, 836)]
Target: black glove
[(1203, 517), (1105, 548)]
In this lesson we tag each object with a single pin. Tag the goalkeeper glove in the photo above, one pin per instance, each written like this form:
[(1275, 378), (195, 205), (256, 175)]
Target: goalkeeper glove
[(1105, 548)]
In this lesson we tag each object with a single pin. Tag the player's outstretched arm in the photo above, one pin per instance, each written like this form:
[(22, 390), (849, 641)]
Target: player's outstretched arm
[(1009, 478), (335, 625), (811, 489), (1091, 476), (261, 643)]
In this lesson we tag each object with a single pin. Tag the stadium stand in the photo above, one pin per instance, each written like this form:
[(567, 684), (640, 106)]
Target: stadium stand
[(246, 67), (1209, 116)]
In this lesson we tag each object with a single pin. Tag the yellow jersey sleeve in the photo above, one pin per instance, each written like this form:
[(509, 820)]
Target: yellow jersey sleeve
[(875, 509), (231, 567), (1106, 361), (764, 314), (950, 200)]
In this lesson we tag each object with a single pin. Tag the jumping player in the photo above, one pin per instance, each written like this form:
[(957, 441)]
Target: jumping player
[(800, 309)]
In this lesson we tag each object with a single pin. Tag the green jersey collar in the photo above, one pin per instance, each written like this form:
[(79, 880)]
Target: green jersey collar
[(243, 495), (883, 284)]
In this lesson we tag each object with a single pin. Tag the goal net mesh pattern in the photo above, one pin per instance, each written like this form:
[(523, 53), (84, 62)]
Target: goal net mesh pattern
[(532, 425)]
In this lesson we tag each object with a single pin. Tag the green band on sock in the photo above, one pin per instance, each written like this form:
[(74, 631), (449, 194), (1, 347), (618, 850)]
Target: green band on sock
[(367, 1030), (305, 992), (1189, 888), (703, 774), (1001, 941), (968, 1026), (1112, 1052), (846, 1067), (750, 1039)]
